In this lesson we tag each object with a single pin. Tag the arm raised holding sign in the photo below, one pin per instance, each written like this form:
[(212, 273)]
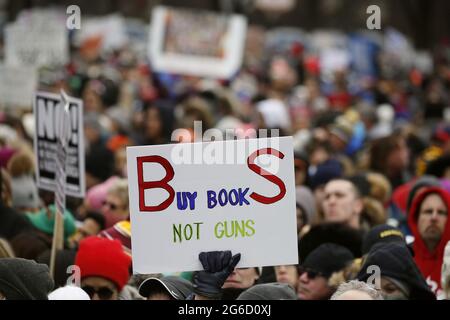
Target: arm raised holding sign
[(217, 265)]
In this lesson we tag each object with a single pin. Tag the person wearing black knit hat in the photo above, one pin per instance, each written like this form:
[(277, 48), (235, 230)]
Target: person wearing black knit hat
[(337, 233), (381, 233), (400, 279), (317, 268)]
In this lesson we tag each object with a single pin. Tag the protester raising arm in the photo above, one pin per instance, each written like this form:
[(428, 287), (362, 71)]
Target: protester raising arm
[(217, 266)]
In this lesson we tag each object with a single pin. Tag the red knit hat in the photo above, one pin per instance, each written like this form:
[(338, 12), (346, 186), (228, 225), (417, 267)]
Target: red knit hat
[(103, 258)]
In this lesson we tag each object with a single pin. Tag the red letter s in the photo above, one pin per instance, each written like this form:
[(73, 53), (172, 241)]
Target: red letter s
[(266, 175)]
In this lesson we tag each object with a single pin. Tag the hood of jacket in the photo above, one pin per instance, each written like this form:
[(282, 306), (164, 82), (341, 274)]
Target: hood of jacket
[(428, 261), (395, 261)]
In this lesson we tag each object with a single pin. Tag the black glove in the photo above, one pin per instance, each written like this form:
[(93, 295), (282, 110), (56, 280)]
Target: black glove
[(217, 265)]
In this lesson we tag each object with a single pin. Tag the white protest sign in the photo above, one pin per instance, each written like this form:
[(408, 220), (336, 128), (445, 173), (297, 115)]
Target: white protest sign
[(198, 43), (275, 5), (37, 38), (17, 86), (111, 28), (233, 195), (63, 133), (47, 110)]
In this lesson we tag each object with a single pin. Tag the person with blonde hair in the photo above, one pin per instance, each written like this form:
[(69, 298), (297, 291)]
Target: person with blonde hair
[(356, 290), (115, 205)]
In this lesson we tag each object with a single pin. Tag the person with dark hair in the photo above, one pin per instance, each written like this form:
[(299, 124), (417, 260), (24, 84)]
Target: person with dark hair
[(64, 259), (343, 203), (306, 207), (390, 156), (319, 176), (287, 274), (93, 223), (337, 233), (99, 166), (29, 244), (301, 165), (158, 123)]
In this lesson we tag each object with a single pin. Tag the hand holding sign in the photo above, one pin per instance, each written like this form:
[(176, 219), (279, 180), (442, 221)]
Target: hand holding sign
[(217, 265)]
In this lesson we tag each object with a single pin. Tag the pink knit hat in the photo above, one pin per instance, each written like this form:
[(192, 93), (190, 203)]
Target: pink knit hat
[(97, 194)]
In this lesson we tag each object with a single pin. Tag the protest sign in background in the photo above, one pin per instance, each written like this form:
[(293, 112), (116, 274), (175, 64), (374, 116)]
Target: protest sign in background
[(37, 38), (189, 198), (47, 108), (198, 43), (17, 86)]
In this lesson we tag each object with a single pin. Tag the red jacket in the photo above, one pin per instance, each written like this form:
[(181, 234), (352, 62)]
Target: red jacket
[(429, 262)]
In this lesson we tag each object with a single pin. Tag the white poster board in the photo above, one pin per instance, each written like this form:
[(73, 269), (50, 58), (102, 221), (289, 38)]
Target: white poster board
[(47, 108), (111, 29), (198, 43), (238, 200), (37, 38), (17, 86)]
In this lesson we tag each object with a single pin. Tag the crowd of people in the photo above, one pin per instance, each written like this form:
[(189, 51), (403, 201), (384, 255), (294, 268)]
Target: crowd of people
[(372, 176)]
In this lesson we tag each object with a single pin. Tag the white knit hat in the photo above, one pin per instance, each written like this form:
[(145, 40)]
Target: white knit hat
[(68, 293)]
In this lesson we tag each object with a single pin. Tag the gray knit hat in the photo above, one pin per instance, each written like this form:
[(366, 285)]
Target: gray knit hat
[(22, 279), (25, 193), (269, 291)]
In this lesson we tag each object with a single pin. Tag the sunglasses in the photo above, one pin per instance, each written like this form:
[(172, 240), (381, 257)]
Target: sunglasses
[(111, 205), (104, 293), (311, 274)]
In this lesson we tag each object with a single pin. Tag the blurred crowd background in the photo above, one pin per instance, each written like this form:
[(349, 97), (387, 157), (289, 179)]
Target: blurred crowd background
[(370, 106)]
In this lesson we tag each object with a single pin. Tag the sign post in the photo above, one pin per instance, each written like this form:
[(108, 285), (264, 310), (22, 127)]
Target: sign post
[(63, 135)]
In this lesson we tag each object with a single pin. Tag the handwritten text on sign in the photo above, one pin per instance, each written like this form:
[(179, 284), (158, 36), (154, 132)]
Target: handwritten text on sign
[(179, 210)]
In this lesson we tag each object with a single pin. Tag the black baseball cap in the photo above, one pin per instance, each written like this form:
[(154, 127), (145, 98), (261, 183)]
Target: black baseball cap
[(176, 287), (382, 233)]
